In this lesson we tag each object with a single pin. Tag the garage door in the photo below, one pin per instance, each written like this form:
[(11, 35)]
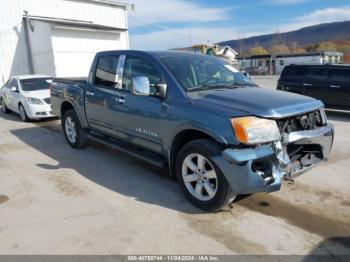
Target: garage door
[(74, 49)]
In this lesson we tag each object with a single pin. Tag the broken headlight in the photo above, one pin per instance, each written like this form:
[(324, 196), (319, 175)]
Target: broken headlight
[(254, 130)]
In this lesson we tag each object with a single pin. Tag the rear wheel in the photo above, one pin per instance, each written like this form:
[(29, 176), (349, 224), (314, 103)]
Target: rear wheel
[(73, 131), (200, 178), (4, 108), (23, 114)]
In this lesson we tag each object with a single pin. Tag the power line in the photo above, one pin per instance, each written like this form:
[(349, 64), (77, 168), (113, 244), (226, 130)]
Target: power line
[(159, 27)]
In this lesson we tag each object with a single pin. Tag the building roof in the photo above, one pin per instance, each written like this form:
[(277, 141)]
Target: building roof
[(109, 2), (72, 22), (293, 55)]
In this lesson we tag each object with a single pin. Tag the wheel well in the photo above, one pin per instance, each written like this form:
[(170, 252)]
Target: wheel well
[(182, 139), (65, 107)]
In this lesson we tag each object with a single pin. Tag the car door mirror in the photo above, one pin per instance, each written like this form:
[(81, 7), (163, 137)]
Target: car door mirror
[(141, 86), (14, 89), (162, 88)]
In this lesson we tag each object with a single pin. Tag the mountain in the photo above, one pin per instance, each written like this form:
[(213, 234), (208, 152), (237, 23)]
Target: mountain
[(303, 37)]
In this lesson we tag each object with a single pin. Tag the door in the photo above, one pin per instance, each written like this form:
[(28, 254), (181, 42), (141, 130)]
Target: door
[(139, 121), (102, 94), (292, 79), (340, 88), (317, 83), (13, 97)]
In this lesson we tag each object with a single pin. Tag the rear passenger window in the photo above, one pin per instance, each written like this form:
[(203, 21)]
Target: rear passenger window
[(318, 73), (106, 71), (294, 72), (135, 66), (341, 74)]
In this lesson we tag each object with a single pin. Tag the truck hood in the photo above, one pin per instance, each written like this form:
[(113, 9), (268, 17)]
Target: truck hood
[(257, 101)]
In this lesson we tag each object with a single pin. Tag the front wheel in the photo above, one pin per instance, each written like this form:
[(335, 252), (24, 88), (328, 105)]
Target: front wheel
[(73, 131), (200, 178), (23, 114)]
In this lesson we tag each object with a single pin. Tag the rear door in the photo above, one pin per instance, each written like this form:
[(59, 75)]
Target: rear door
[(340, 87), (317, 83), (102, 93), (292, 79)]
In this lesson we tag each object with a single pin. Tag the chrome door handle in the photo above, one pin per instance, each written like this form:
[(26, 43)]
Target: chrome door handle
[(90, 93), (332, 86), (120, 100), (306, 84)]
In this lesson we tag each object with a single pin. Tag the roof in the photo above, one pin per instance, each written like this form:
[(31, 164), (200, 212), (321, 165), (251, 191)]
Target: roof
[(316, 64), (22, 77), (109, 2), (72, 22)]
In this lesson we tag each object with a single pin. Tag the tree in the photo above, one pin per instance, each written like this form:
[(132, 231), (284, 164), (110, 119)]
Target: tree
[(257, 50), (326, 46), (280, 49)]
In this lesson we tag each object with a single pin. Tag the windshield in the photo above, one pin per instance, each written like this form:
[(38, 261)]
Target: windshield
[(35, 84), (196, 73)]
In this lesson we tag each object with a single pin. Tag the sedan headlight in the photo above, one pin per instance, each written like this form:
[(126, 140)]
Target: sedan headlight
[(254, 130), (34, 101)]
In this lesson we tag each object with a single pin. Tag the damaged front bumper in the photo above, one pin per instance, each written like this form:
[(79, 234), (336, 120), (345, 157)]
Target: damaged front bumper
[(263, 168)]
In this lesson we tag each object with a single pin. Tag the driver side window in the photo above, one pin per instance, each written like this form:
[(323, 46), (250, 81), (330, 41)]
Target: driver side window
[(135, 66)]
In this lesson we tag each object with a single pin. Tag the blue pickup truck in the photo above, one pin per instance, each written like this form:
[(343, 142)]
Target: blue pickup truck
[(208, 124)]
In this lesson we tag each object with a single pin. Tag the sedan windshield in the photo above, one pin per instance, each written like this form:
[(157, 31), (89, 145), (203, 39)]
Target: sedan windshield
[(35, 84), (196, 73)]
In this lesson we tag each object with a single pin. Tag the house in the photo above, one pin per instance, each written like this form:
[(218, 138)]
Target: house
[(269, 64), (58, 37), (225, 52)]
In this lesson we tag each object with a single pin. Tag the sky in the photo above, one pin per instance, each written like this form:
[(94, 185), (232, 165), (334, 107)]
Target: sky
[(165, 24)]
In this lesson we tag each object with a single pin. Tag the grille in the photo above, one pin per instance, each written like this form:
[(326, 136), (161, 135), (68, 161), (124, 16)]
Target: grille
[(307, 121), (47, 100)]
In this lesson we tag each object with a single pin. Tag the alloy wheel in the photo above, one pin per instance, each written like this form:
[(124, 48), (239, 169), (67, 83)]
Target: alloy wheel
[(199, 177), (70, 130)]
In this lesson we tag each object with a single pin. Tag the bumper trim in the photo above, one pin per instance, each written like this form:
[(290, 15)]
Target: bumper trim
[(237, 156)]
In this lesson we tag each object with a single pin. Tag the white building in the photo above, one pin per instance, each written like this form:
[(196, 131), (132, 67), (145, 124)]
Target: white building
[(267, 64), (58, 37)]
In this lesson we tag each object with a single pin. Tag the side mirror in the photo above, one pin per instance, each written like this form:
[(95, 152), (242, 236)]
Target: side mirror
[(162, 88), (141, 86), (246, 74), (14, 89)]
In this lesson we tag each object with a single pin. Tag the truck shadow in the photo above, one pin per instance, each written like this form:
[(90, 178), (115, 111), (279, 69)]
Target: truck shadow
[(106, 167), (330, 249)]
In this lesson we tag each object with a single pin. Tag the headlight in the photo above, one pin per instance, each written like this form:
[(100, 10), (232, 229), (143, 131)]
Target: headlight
[(253, 130), (34, 101)]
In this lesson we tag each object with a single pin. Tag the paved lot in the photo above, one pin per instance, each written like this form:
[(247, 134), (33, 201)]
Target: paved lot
[(55, 200)]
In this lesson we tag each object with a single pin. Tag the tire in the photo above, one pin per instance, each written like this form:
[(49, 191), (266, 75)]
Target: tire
[(73, 131), (213, 192), (4, 108), (22, 113)]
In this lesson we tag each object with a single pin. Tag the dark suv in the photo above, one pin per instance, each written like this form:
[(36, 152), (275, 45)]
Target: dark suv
[(328, 83)]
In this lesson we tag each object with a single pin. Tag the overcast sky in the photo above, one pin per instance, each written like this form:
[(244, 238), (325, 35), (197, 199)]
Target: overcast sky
[(164, 24)]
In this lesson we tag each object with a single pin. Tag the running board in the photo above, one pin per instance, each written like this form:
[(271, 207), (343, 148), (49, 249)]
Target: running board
[(131, 150)]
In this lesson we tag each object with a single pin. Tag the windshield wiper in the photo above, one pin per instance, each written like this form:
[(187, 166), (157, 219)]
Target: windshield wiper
[(214, 86)]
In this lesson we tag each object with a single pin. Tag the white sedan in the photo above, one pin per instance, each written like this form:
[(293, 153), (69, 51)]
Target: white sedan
[(29, 96)]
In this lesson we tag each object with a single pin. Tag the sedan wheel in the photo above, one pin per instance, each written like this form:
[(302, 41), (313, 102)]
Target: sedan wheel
[(200, 177), (23, 114)]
